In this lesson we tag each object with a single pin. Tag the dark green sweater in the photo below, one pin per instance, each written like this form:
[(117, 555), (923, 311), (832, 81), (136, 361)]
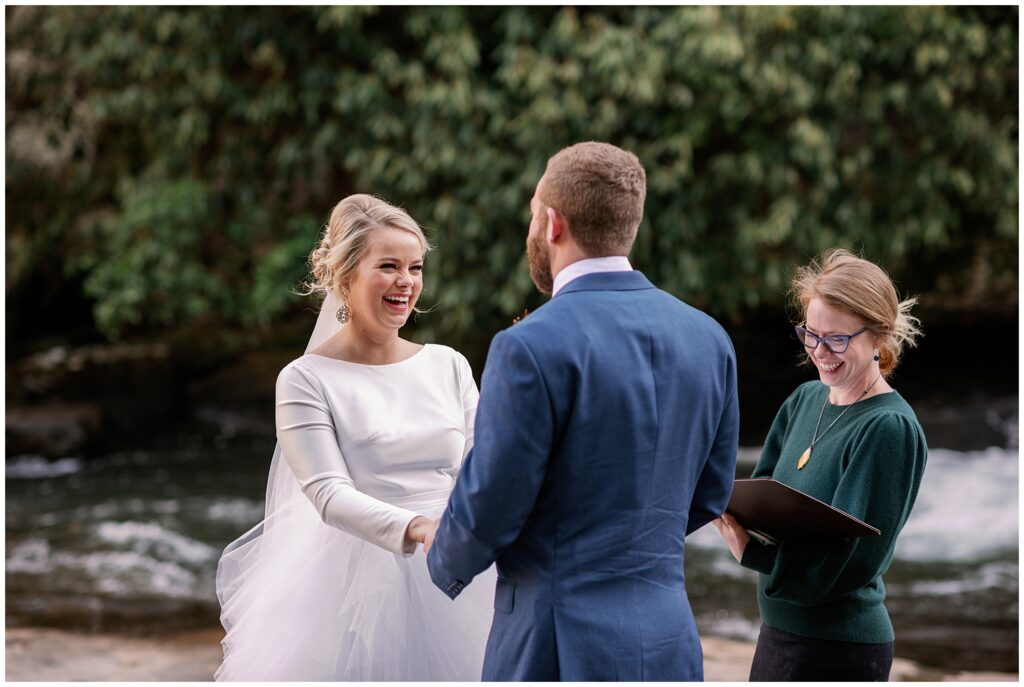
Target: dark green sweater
[(870, 465)]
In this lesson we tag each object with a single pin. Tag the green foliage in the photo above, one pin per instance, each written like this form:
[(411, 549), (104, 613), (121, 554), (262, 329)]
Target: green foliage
[(181, 160), (147, 257)]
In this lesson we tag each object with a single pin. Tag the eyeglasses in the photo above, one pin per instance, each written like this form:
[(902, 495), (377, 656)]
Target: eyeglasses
[(836, 343)]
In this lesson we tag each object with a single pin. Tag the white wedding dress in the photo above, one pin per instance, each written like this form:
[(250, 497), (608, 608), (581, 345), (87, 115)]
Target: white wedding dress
[(324, 588)]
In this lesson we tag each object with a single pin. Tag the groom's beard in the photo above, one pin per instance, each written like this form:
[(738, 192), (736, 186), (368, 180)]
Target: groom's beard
[(538, 253)]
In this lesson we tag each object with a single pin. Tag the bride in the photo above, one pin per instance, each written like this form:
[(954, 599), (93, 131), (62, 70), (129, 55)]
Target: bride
[(372, 430)]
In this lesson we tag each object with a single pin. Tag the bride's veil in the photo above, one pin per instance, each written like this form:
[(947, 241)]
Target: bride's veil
[(262, 562), (282, 487)]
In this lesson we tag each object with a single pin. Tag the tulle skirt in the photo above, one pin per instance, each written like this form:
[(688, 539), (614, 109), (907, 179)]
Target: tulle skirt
[(324, 605)]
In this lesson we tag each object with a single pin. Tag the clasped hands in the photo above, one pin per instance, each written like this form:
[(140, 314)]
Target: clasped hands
[(422, 530)]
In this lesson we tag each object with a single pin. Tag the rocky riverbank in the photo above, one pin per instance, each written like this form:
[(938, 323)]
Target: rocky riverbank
[(41, 654), (86, 400)]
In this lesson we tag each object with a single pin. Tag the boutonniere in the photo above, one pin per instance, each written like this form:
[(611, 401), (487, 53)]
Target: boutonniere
[(521, 317)]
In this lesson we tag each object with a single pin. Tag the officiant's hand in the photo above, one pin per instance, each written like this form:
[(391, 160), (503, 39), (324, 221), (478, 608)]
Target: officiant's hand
[(734, 535), (418, 530)]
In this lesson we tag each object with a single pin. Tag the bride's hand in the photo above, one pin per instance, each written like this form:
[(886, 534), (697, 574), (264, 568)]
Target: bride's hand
[(418, 529)]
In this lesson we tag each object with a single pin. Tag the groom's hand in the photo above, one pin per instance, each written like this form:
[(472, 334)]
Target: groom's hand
[(418, 529), (428, 541)]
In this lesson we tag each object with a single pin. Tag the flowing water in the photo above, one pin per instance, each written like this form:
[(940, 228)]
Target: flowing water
[(130, 541), (952, 588)]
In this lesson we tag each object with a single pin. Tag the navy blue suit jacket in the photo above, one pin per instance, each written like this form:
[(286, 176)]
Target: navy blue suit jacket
[(606, 431)]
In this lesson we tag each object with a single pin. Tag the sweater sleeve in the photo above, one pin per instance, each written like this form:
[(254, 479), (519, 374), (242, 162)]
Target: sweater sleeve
[(306, 432), (470, 398), (773, 442), (879, 486)]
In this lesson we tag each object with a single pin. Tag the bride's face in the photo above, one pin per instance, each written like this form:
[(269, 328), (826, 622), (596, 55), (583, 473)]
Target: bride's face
[(386, 285)]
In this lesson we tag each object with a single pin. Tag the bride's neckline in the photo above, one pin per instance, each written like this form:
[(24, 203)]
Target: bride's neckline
[(348, 362)]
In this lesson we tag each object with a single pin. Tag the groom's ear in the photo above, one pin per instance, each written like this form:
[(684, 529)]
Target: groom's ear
[(556, 224)]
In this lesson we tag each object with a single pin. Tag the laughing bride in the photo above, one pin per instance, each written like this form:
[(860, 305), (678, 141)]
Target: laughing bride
[(372, 430)]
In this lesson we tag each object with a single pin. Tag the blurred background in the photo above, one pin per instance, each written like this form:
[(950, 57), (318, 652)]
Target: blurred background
[(169, 169)]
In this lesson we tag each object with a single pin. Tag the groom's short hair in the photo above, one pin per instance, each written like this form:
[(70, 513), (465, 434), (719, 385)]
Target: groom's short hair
[(600, 189)]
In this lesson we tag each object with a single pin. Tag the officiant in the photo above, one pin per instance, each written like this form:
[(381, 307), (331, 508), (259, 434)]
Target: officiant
[(848, 439)]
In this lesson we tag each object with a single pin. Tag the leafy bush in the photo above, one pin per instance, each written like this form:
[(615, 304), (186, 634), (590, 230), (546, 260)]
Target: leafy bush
[(181, 161)]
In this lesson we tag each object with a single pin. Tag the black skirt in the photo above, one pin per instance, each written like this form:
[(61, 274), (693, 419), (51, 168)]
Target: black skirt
[(785, 657)]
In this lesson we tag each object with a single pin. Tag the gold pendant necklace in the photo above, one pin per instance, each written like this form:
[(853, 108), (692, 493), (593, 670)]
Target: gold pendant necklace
[(806, 455)]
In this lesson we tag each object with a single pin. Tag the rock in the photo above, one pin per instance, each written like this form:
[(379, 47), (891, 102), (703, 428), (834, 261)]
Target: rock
[(726, 660), (254, 422), (238, 398), (38, 654), (246, 380), (135, 386), (908, 671), (981, 676), (56, 656), (53, 430), (70, 372), (62, 395), (970, 423)]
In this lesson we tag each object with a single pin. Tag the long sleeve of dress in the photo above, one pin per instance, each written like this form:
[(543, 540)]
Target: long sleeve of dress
[(306, 432), (470, 398)]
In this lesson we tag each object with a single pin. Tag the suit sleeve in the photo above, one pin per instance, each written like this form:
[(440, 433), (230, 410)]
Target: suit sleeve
[(714, 486), (309, 443), (503, 473)]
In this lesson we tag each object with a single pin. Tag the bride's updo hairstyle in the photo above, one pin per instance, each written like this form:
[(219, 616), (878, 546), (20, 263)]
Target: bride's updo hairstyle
[(346, 238), (862, 289)]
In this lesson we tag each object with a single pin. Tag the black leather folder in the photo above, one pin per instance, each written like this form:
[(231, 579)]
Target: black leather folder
[(774, 511)]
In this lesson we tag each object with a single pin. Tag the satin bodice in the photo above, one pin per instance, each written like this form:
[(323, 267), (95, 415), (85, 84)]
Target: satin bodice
[(374, 445)]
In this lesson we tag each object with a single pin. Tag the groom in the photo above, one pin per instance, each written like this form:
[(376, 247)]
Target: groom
[(606, 432)]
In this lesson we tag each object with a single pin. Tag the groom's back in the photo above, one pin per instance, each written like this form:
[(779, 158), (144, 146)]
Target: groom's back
[(642, 394)]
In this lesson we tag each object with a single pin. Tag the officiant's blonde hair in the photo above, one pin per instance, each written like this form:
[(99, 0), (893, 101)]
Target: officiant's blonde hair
[(864, 290), (346, 238)]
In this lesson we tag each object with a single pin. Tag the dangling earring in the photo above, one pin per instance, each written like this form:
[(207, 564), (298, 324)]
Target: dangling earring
[(344, 314)]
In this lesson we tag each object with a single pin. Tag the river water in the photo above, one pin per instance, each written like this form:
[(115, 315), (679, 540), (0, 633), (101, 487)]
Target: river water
[(130, 542)]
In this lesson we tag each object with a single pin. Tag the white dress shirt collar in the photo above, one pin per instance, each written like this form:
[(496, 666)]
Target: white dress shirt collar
[(614, 263)]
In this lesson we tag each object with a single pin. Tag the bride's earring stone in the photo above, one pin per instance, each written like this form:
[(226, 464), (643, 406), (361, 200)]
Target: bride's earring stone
[(343, 314)]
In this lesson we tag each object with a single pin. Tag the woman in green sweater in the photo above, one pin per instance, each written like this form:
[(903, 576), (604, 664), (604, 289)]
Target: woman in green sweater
[(849, 440)]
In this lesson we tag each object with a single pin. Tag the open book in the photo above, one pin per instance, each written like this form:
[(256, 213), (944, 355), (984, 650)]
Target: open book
[(773, 511)]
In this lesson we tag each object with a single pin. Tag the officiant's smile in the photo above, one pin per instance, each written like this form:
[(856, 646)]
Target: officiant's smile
[(842, 349)]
